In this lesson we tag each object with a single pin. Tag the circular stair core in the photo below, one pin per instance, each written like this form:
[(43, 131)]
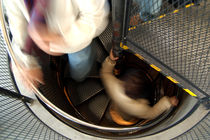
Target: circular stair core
[(88, 102)]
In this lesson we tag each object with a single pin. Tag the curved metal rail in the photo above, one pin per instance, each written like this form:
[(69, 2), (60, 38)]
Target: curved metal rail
[(45, 100)]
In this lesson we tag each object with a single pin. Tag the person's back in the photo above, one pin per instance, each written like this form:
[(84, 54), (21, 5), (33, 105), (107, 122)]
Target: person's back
[(131, 93), (137, 84)]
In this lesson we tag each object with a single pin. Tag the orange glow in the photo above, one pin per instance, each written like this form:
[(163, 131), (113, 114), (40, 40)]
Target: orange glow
[(67, 96), (119, 120)]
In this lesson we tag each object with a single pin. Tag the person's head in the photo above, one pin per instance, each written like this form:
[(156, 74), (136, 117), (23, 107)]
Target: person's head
[(137, 84)]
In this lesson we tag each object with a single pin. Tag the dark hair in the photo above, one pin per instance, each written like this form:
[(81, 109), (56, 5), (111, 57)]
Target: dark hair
[(137, 84), (135, 75)]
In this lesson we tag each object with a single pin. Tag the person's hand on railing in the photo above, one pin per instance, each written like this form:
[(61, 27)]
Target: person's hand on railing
[(28, 76), (174, 101), (112, 57)]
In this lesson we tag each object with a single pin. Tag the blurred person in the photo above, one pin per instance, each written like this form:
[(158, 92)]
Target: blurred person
[(148, 9), (131, 92), (56, 27)]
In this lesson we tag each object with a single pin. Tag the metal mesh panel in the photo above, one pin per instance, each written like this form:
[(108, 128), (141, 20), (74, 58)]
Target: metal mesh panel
[(5, 78), (174, 35), (201, 131), (17, 122)]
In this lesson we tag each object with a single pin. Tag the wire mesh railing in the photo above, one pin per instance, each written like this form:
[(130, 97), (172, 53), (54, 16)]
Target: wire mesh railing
[(174, 36), (16, 119), (18, 122)]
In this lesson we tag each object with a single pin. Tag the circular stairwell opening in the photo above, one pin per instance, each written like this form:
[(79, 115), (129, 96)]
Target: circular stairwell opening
[(88, 102), (85, 106)]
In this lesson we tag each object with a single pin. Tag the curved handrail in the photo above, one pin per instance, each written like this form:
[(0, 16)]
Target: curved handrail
[(45, 100)]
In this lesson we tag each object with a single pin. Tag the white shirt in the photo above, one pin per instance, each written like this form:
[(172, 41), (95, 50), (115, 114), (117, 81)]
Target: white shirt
[(138, 108), (78, 21)]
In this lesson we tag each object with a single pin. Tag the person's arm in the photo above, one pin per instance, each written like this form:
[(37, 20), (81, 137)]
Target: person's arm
[(145, 111), (28, 69), (113, 86), (91, 21), (18, 27), (137, 108)]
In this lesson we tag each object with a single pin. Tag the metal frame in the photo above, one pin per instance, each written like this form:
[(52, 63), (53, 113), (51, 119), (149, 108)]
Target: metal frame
[(168, 71), (15, 95)]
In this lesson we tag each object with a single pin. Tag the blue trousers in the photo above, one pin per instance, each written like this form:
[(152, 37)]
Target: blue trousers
[(80, 63)]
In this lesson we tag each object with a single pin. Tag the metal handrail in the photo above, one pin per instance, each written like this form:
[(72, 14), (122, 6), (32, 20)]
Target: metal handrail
[(45, 100)]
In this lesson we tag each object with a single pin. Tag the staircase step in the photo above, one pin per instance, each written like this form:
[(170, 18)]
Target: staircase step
[(82, 91), (94, 108)]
